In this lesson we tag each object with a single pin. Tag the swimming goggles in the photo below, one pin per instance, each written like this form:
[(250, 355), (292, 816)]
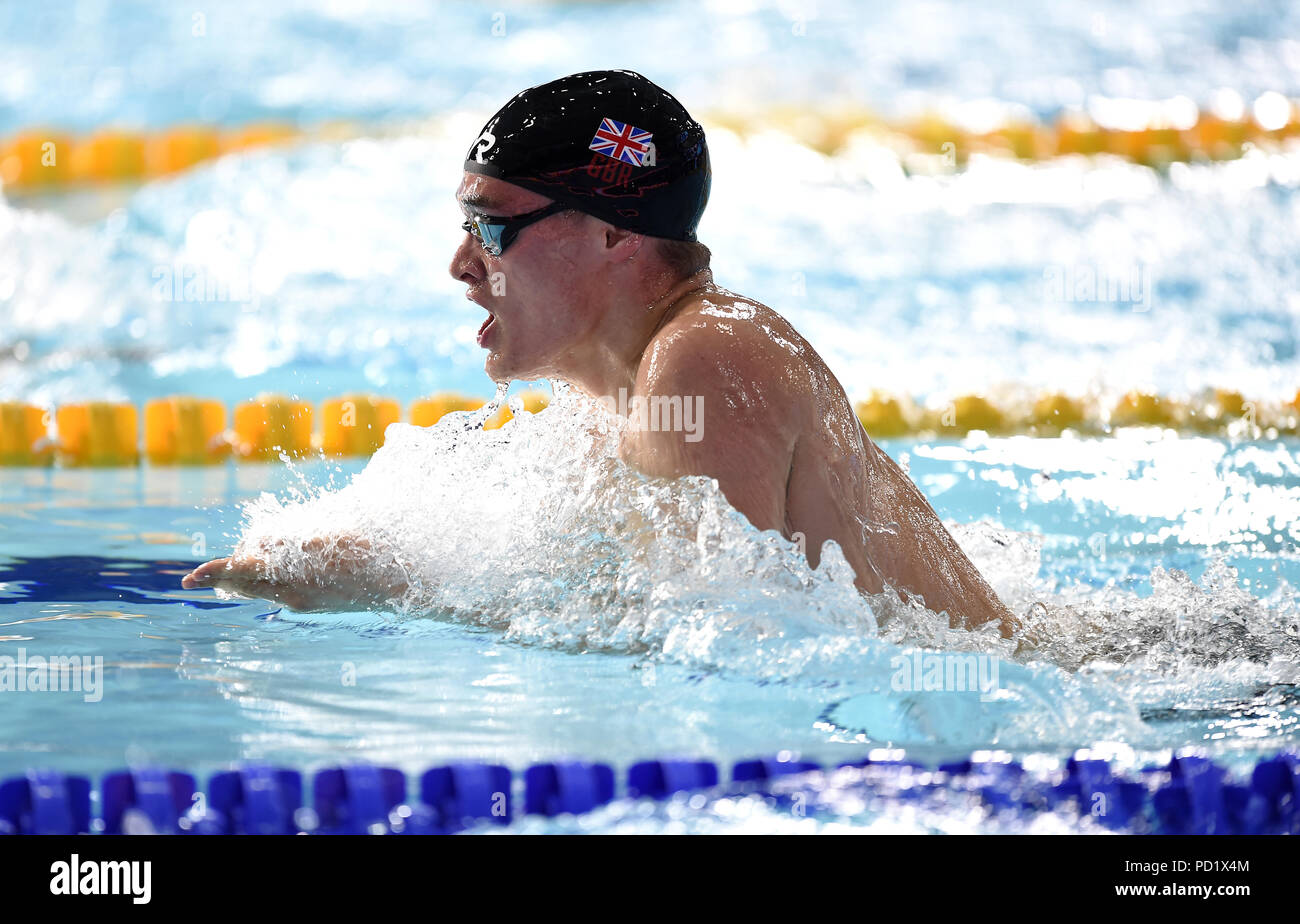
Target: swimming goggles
[(495, 233)]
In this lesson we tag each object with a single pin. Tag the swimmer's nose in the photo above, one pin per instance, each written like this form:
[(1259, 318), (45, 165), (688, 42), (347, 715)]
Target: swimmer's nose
[(465, 265)]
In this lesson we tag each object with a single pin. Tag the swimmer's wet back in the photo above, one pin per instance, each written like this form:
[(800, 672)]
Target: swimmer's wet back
[(608, 143)]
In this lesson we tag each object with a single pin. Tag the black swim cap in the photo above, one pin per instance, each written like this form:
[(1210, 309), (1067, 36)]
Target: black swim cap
[(608, 143)]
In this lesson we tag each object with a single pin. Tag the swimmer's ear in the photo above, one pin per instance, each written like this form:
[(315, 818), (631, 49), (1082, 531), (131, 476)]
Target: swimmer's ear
[(621, 244)]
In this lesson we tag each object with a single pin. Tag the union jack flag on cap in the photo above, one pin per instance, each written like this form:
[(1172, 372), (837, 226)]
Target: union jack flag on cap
[(622, 142)]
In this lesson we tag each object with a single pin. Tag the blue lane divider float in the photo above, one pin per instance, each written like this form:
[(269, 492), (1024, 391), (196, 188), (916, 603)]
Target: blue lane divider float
[(1189, 795), (462, 794), (357, 799), (750, 771), (659, 779), (568, 788), (45, 802), (1090, 785), (254, 800), (145, 801)]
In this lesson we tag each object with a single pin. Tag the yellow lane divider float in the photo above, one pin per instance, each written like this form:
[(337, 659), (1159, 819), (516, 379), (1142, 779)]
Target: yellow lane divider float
[(98, 433), (184, 430), (1219, 412), (24, 435), (1154, 133), (46, 159), (354, 425)]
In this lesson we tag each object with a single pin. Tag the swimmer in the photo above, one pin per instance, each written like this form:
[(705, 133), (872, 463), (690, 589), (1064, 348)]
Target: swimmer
[(581, 199)]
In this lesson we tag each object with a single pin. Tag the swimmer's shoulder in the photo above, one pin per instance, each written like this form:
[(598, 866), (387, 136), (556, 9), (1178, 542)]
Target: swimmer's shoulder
[(728, 345), (722, 322), (716, 319)]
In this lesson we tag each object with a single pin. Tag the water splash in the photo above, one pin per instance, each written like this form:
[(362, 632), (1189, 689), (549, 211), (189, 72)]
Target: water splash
[(538, 529), (540, 532)]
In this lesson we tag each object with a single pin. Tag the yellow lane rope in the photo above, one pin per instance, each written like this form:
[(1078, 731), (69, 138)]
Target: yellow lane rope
[(1155, 133), (186, 430)]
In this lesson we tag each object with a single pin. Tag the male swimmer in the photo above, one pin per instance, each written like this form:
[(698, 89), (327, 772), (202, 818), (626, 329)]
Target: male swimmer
[(581, 200)]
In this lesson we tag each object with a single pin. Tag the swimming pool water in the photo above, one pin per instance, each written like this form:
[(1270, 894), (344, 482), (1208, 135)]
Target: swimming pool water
[(92, 561), (331, 258)]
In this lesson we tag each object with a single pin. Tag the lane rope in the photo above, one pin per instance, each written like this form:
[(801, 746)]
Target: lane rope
[(1189, 795), (188, 430), (1155, 133)]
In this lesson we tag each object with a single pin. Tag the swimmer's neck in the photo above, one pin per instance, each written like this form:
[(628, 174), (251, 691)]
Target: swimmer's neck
[(616, 348)]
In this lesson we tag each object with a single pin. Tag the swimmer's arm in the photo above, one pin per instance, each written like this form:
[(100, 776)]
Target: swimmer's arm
[(743, 436), (352, 576)]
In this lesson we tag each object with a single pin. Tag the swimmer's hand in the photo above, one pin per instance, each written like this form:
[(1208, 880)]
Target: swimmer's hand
[(347, 582), (243, 576)]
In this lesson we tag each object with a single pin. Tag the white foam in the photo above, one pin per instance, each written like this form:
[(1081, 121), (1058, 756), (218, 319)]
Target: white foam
[(539, 531)]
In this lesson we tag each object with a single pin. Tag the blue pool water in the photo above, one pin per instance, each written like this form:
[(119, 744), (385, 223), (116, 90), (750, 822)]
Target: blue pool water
[(93, 559), (1164, 566)]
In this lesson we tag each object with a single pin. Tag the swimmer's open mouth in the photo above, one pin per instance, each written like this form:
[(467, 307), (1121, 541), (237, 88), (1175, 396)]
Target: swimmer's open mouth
[(488, 325)]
